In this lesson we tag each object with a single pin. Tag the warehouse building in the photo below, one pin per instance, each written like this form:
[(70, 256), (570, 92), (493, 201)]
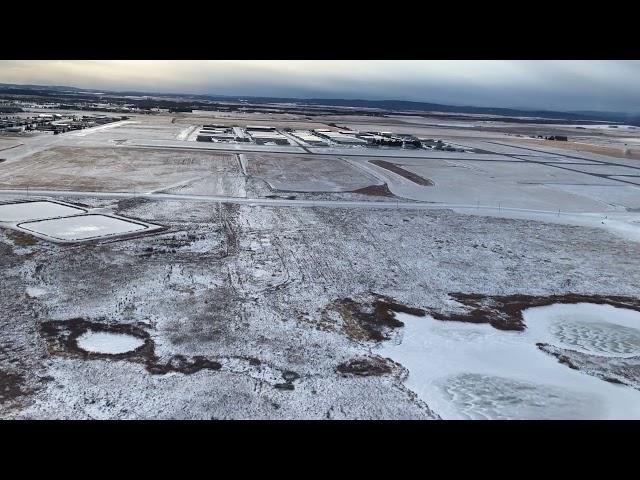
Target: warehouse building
[(308, 137), (341, 138), (269, 137)]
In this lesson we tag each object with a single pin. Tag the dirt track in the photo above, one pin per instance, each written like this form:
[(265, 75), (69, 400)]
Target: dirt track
[(392, 167)]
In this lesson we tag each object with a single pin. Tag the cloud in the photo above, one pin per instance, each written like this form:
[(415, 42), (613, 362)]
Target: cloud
[(561, 85)]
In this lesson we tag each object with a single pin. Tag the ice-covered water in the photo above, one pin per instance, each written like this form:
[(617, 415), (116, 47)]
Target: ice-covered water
[(589, 328), (465, 370), (107, 342), (82, 227), (21, 212), (482, 397)]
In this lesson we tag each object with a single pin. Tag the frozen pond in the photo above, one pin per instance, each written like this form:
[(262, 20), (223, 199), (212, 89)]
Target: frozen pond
[(465, 370), (21, 212), (108, 343), (588, 328), (82, 227)]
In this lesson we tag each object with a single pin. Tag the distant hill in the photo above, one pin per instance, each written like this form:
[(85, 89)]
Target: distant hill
[(385, 105)]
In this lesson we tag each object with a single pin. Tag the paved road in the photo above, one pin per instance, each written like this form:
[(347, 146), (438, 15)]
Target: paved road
[(411, 205), (625, 224)]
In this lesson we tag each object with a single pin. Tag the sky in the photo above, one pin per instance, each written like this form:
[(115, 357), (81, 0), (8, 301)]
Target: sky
[(604, 85)]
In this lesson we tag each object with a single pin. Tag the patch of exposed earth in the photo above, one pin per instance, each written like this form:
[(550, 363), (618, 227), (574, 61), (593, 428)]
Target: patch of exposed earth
[(625, 371), (504, 312)]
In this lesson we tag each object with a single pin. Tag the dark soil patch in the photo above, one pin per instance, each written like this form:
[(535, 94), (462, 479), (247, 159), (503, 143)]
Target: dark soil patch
[(375, 191), (365, 367), (285, 386), (289, 377), (133, 202), (20, 238), (62, 336), (12, 387), (288, 197), (372, 321), (83, 205), (180, 363), (505, 312), (618, 370), (62, 339), (392, 167)]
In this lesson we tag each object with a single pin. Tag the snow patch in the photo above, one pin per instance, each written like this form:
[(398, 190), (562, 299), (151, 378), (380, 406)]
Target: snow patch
[(108, 343), (35, 292)]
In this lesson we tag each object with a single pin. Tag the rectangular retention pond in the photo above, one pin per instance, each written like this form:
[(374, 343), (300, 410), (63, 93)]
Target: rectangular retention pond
[(38, 210), (83, 227)]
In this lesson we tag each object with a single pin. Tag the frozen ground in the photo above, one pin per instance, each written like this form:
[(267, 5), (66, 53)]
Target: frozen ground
[(308, 173), (253, 298), (111, 168)]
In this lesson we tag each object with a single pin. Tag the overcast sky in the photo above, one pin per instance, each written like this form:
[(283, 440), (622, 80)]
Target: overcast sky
[(553, 85)]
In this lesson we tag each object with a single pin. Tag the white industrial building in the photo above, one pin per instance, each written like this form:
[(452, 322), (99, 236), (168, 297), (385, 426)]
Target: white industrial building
[(308, 137), (341, 138), (371, 138), (269, 137)]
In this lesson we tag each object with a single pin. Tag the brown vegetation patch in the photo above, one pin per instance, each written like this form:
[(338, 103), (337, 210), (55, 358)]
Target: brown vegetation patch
[(180, 363), (12, 387), (61, 337), (371, 321), (505, 312), (365, 367), (21, 239), (392, 167)]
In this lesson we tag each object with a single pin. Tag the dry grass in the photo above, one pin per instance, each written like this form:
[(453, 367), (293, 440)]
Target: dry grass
[(21, 239)]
